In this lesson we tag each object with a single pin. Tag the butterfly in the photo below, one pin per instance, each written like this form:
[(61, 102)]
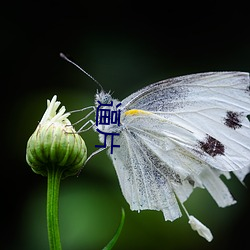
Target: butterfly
[(179, 134), (176, 135)]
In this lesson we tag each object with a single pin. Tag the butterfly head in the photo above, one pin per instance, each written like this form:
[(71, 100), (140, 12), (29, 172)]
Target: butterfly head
[(103, 97)]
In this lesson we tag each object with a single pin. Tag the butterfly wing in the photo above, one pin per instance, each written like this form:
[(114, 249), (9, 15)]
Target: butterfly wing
[(141, 185), (213, 106), (181, 133), (153, 169)]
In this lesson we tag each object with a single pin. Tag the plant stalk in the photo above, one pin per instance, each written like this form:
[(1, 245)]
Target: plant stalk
[(53, 185)]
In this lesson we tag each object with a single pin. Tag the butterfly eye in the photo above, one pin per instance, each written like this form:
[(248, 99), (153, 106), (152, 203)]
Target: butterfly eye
[(106, 98)]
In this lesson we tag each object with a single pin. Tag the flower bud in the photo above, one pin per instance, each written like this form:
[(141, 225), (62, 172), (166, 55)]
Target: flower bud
[(55, 144)]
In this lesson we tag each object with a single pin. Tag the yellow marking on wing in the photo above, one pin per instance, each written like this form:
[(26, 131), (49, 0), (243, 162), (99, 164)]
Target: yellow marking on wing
[(137, 112)]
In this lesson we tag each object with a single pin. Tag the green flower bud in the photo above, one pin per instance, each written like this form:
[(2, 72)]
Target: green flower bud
[(55, 144)]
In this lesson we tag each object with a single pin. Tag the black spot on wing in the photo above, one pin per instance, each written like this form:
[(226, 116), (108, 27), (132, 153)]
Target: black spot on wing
[(212, 146), (233, 119)]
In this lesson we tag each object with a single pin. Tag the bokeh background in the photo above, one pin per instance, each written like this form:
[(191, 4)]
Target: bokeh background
[(125, 45)]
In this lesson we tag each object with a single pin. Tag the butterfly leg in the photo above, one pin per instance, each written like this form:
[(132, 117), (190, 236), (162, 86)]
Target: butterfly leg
[(94, 153), (83, 129), (83, 109), (86, 116)]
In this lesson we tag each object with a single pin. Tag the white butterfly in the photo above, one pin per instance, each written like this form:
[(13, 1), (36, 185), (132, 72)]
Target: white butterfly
[(176, 135), (179, 134)]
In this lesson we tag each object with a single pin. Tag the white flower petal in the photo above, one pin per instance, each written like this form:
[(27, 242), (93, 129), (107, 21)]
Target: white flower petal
[(50, 114), (200, 228)]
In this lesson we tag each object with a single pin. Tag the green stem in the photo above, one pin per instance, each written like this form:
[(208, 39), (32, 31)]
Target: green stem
[(54, 177)]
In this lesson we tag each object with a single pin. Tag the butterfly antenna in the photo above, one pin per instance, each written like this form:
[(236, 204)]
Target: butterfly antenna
[(90, 76)]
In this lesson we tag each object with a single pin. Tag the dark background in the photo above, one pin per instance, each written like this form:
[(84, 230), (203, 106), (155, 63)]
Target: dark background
[(125, 45)]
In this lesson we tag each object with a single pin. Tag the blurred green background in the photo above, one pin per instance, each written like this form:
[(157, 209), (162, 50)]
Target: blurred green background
[(125, 47)]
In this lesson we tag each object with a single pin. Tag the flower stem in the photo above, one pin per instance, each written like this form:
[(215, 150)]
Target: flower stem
[(53, 185)]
